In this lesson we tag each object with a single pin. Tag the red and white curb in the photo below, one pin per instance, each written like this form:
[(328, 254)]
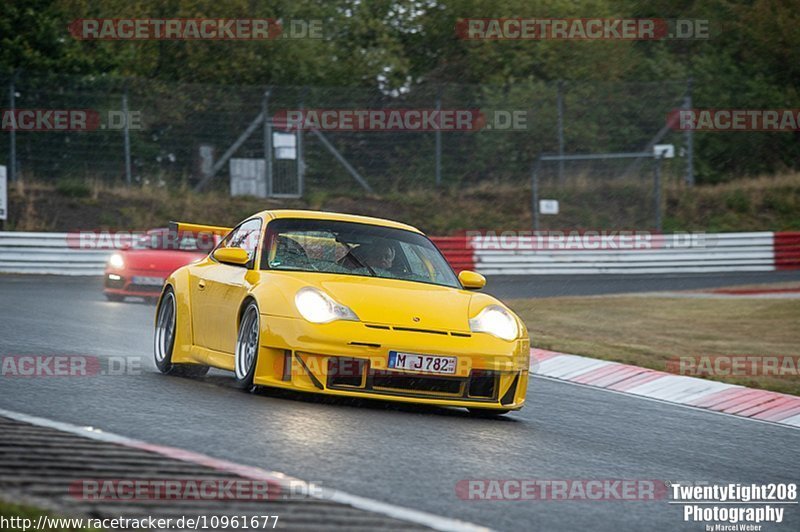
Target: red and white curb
[(254, 473), (705, 394)]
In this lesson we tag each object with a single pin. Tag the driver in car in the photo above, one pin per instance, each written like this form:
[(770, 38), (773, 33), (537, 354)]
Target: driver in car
[(376, 255)]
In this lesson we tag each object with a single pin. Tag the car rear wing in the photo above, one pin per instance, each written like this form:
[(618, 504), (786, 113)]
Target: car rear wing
[(184, 227)]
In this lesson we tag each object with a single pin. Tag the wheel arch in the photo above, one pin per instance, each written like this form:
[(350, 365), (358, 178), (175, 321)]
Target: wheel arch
[(178, 282), (244, 304), (167, 287)]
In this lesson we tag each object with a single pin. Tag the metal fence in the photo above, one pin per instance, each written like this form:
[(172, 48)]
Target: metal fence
[(185, 130)]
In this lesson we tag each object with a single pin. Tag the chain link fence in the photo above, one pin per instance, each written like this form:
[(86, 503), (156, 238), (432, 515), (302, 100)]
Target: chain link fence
[(180, 133)]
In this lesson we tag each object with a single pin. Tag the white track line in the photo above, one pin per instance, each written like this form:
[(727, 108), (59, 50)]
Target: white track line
[(362, 503)]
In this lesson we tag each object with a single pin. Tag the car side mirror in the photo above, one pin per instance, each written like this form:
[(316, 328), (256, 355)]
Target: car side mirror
[(235, 256), (471, 280)]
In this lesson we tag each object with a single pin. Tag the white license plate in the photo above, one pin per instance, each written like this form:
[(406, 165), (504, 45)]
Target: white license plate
[(422, 363), (148, 281)]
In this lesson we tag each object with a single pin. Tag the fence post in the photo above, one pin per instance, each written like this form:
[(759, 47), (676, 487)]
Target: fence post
[(126, 135), (438, 134), (267, 143), (560, 106), (657, 191), (688, 135), (12, 156), (535, 193), (301, 165)]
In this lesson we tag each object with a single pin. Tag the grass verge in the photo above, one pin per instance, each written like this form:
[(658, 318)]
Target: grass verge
[(755, 204), (649, 330)]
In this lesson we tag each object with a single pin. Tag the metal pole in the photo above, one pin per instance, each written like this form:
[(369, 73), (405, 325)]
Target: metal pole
[(657, 191), (438, 140), (12, 90), (301, 166), (689, 136), (535, 193), (267, 143), (560, 106), (126, 136)]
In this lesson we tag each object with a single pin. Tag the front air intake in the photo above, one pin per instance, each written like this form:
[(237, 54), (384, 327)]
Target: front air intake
[(482, 383), (345, 372)]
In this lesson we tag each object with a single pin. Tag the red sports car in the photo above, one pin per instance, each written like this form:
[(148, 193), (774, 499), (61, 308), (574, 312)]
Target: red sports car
[(140, 269)]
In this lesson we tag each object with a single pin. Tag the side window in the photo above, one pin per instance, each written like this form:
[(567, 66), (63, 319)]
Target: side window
[(246, 236)]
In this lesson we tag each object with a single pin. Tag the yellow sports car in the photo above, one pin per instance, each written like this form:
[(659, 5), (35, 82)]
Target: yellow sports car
[(341, 305)]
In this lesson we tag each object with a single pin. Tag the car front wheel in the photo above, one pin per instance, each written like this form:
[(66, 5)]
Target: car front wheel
[(164, 341), (246, 354)]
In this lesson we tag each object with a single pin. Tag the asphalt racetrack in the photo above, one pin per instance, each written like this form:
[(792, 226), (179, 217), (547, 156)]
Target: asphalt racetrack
[(516, 286), (409, 456)]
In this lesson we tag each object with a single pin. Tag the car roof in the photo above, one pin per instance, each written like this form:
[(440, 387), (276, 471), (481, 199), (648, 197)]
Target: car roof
[(335, 216)]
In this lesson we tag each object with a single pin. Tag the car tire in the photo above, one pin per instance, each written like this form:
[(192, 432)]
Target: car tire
[(164, 340), (247, 342), (487, 412), (116, 298)]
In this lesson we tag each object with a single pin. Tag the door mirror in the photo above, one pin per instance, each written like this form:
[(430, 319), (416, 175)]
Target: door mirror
[(235, 256), (471, 280)]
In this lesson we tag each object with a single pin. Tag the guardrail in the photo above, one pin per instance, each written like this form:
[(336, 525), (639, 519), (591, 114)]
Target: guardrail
[(48, 253), (743, 252), (57, 254), (457, 250), (624, 253)]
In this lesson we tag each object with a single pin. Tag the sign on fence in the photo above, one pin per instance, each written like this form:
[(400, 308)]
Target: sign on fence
[(285, 145), (3, 194), (665, 151), (548, 206)]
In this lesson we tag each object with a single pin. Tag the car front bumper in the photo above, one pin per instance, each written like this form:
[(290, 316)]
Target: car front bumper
[(350, 359), (121, 282)]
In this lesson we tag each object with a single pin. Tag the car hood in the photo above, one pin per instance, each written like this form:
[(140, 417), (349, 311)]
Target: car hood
[(158, 261), (398, 303)]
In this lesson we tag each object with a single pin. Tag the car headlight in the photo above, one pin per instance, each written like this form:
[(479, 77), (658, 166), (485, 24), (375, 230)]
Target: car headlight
[(497, 321), (318, 307), (115, 261)]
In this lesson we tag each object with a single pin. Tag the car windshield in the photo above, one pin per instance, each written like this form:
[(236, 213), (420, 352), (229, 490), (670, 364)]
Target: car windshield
[(355, 249), (184, 241)]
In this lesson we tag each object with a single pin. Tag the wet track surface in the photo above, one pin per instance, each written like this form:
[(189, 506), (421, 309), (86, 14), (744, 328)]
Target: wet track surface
[(515, 286), (409, 456)]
